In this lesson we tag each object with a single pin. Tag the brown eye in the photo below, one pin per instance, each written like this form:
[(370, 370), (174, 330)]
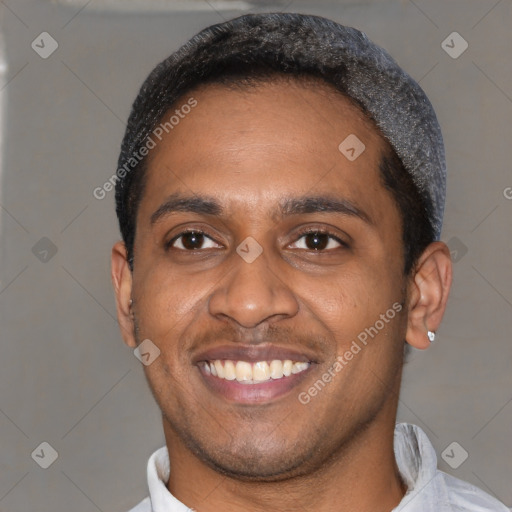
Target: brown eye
[(318, 241), (190, 241)]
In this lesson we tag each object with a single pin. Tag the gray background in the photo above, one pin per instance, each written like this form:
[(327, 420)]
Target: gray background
[(65, 375)]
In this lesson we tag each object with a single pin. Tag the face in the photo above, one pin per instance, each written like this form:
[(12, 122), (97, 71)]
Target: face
[(262, 250)]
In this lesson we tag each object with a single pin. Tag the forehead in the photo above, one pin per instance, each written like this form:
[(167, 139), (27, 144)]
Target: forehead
[(259, 142)]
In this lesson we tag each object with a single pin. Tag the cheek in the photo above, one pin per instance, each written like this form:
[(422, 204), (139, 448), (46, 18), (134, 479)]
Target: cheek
[(170, 289), (167, 305), (352, 300)]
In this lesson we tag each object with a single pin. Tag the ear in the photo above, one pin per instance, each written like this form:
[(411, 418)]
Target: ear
[(122, 282), (428, 293)]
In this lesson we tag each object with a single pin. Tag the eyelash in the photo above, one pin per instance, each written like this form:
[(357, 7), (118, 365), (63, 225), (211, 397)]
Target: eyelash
[(300, 234)]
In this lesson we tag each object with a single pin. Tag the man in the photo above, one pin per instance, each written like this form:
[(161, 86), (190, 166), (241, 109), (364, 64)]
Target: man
[(280, 198)]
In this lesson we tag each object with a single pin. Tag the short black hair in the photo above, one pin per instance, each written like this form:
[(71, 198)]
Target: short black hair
[(246, 50)]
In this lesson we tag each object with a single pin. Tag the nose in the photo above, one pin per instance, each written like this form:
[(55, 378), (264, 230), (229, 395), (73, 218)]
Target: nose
[(253, 293)]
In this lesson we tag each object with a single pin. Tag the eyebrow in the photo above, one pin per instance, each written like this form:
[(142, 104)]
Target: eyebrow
[(206, 205)]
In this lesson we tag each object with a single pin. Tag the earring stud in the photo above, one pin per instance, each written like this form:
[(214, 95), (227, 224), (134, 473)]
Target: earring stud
[(431, 336)]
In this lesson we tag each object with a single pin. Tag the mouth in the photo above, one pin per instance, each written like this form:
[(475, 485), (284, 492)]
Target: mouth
[(253, 374), (249, 373)]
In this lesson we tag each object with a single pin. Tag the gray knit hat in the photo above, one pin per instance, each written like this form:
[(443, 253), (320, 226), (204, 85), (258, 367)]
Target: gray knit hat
[(401, 110), (296, 44)]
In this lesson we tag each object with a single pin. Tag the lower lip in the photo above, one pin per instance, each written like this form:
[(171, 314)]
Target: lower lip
[(268, 390)]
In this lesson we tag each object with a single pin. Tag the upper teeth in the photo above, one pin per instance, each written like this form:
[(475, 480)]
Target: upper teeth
[(250, 373)]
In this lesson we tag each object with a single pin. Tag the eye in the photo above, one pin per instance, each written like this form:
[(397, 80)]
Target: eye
[(311, 239), (191, 240), (318, 240)]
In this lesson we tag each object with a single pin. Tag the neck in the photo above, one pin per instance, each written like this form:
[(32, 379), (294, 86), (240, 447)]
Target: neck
[(362, 476)]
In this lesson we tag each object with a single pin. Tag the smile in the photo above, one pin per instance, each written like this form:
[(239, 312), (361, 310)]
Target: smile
[(246, 372)]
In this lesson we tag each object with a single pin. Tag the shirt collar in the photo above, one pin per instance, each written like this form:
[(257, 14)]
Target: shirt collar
[(417, 463), (158, 476)]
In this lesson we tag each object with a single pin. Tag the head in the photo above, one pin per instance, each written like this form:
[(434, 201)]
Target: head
[(295, 249)]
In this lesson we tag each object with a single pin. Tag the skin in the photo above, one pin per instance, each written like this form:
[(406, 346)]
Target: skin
[(249, 149)]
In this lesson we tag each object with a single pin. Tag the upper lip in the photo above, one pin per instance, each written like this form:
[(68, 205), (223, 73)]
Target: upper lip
[(252, 353)]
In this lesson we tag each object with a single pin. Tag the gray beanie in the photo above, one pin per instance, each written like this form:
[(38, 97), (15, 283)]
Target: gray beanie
[(296, 44), (401, 110)]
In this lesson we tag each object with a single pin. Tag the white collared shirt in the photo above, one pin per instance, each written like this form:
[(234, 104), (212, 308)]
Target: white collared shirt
[(429, 489)]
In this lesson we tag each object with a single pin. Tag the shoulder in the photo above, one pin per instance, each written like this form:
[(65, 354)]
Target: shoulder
[(463, 496), (144, 506)]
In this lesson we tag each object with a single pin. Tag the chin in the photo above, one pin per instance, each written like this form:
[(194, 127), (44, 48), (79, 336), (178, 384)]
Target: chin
[(252, 464), (251, 470)]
